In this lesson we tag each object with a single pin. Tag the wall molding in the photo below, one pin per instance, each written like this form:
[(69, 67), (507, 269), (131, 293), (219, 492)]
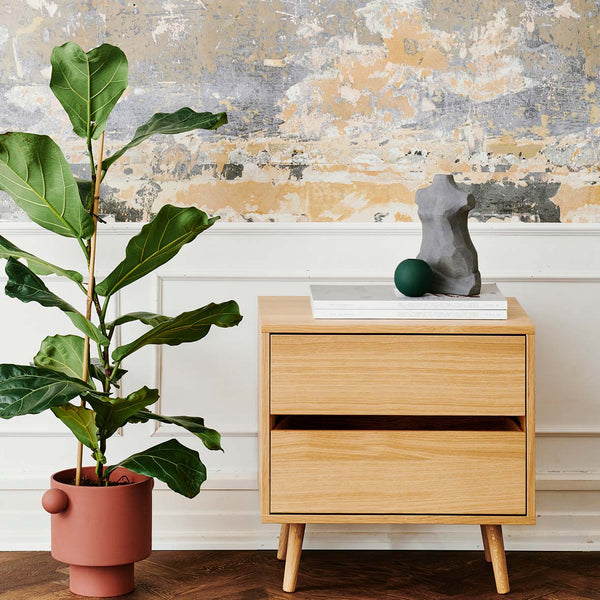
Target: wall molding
[(567, 431), (217, 481), (332, 228), (30, 433), (338, 539), (225, 433), (531, 259), (208, 275), (570, 481), (265, 538)]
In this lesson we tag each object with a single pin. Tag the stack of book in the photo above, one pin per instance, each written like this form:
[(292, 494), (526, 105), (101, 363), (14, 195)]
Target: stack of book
[(385, 302)]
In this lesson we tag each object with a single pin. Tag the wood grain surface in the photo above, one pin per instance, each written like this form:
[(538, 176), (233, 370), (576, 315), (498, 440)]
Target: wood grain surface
[(434, 372), (415, 472), (325, 575), (398, 374), (292, 314), (529, 422)]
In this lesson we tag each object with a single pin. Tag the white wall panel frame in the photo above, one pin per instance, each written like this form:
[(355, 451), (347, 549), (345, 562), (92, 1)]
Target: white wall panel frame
[(562, 259)]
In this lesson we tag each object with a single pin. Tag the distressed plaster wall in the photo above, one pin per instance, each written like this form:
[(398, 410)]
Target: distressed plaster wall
[(339, 109)]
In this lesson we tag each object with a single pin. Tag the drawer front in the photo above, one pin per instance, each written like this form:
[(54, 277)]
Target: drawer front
[(398, 472), (398, 374)]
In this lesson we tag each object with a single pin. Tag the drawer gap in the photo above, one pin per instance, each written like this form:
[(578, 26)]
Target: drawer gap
[(397, 423)]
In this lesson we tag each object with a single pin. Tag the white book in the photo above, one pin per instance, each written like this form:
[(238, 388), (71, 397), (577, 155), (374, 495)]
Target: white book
[(382, 296), (333, 313)]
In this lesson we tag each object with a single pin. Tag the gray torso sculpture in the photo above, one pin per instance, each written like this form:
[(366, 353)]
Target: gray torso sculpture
[(446, 245)]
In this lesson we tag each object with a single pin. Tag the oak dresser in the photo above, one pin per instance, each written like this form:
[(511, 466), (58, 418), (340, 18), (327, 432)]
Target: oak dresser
[(400, 421)]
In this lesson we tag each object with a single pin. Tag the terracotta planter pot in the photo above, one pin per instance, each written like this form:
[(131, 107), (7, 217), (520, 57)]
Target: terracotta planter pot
[(100, 532)]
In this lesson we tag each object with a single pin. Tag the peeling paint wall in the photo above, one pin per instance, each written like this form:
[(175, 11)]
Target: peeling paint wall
[(339, 110)]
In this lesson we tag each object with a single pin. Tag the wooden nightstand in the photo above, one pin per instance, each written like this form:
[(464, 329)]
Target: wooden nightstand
[(369, 421)]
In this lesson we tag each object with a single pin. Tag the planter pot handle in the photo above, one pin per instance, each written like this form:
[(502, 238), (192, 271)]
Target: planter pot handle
[(55, 501)]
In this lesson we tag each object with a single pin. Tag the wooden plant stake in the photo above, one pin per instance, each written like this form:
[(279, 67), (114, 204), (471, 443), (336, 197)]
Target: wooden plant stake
[(90, 293)]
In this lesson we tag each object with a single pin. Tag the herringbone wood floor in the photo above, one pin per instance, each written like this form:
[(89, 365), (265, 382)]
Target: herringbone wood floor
[(324, 575)]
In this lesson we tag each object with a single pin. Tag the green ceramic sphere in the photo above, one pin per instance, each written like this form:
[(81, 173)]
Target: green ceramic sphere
[(413, 277)]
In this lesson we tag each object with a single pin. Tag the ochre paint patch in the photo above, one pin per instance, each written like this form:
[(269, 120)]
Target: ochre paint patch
[(337, 110), (316, 201)]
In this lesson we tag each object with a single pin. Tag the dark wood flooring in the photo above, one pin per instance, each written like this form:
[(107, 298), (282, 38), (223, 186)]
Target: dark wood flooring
[(324, 575)]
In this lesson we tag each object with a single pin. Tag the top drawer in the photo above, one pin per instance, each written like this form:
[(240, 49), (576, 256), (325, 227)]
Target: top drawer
[(401, 374)]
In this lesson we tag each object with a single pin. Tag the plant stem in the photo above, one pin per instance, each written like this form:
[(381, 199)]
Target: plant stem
[(105, 307), (114, 371), (103, 350), (99, 313), (90, 291), (99, 465), (91, 155), (85, 250)]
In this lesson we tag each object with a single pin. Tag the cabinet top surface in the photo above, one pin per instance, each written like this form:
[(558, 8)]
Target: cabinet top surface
[(292, 314)]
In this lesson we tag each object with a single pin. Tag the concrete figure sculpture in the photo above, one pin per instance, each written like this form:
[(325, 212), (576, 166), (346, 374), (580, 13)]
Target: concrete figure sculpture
[(446, 245)]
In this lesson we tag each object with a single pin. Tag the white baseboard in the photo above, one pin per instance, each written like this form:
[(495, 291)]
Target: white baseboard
[(229, 519), (526, 540)]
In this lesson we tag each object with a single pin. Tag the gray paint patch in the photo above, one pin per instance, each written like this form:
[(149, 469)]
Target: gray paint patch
[(232, 171), (505, 199), (140, 209)]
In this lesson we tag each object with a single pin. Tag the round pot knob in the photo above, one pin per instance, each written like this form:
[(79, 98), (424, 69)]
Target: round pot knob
[(55, 501)]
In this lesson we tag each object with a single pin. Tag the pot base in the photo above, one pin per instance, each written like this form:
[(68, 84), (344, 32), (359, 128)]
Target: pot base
[(101, 582)]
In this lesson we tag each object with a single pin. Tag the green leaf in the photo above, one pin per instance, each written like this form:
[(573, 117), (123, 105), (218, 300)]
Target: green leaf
[(81, 421), (179, 467), (37, 265), (158, 242), (86, 193), (28, 390), (97, 372), (62, 353), (112, 413), (185, 119), (187, 327), (35, 174), (88, 85), (26, 286), (147, 318), (210, 437)]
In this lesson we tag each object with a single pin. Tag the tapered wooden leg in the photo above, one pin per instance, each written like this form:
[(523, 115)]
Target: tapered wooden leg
[(292, 559), (486, 544), (496, 544), (283, 541)]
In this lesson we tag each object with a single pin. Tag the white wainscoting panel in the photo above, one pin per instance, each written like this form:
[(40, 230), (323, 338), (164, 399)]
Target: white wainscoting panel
[(554, 270)]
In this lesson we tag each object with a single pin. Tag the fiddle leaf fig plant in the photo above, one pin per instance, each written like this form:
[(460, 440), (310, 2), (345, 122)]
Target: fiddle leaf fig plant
[(37, 176)]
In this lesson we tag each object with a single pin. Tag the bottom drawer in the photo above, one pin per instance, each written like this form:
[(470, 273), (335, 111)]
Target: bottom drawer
[(398, 472)]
